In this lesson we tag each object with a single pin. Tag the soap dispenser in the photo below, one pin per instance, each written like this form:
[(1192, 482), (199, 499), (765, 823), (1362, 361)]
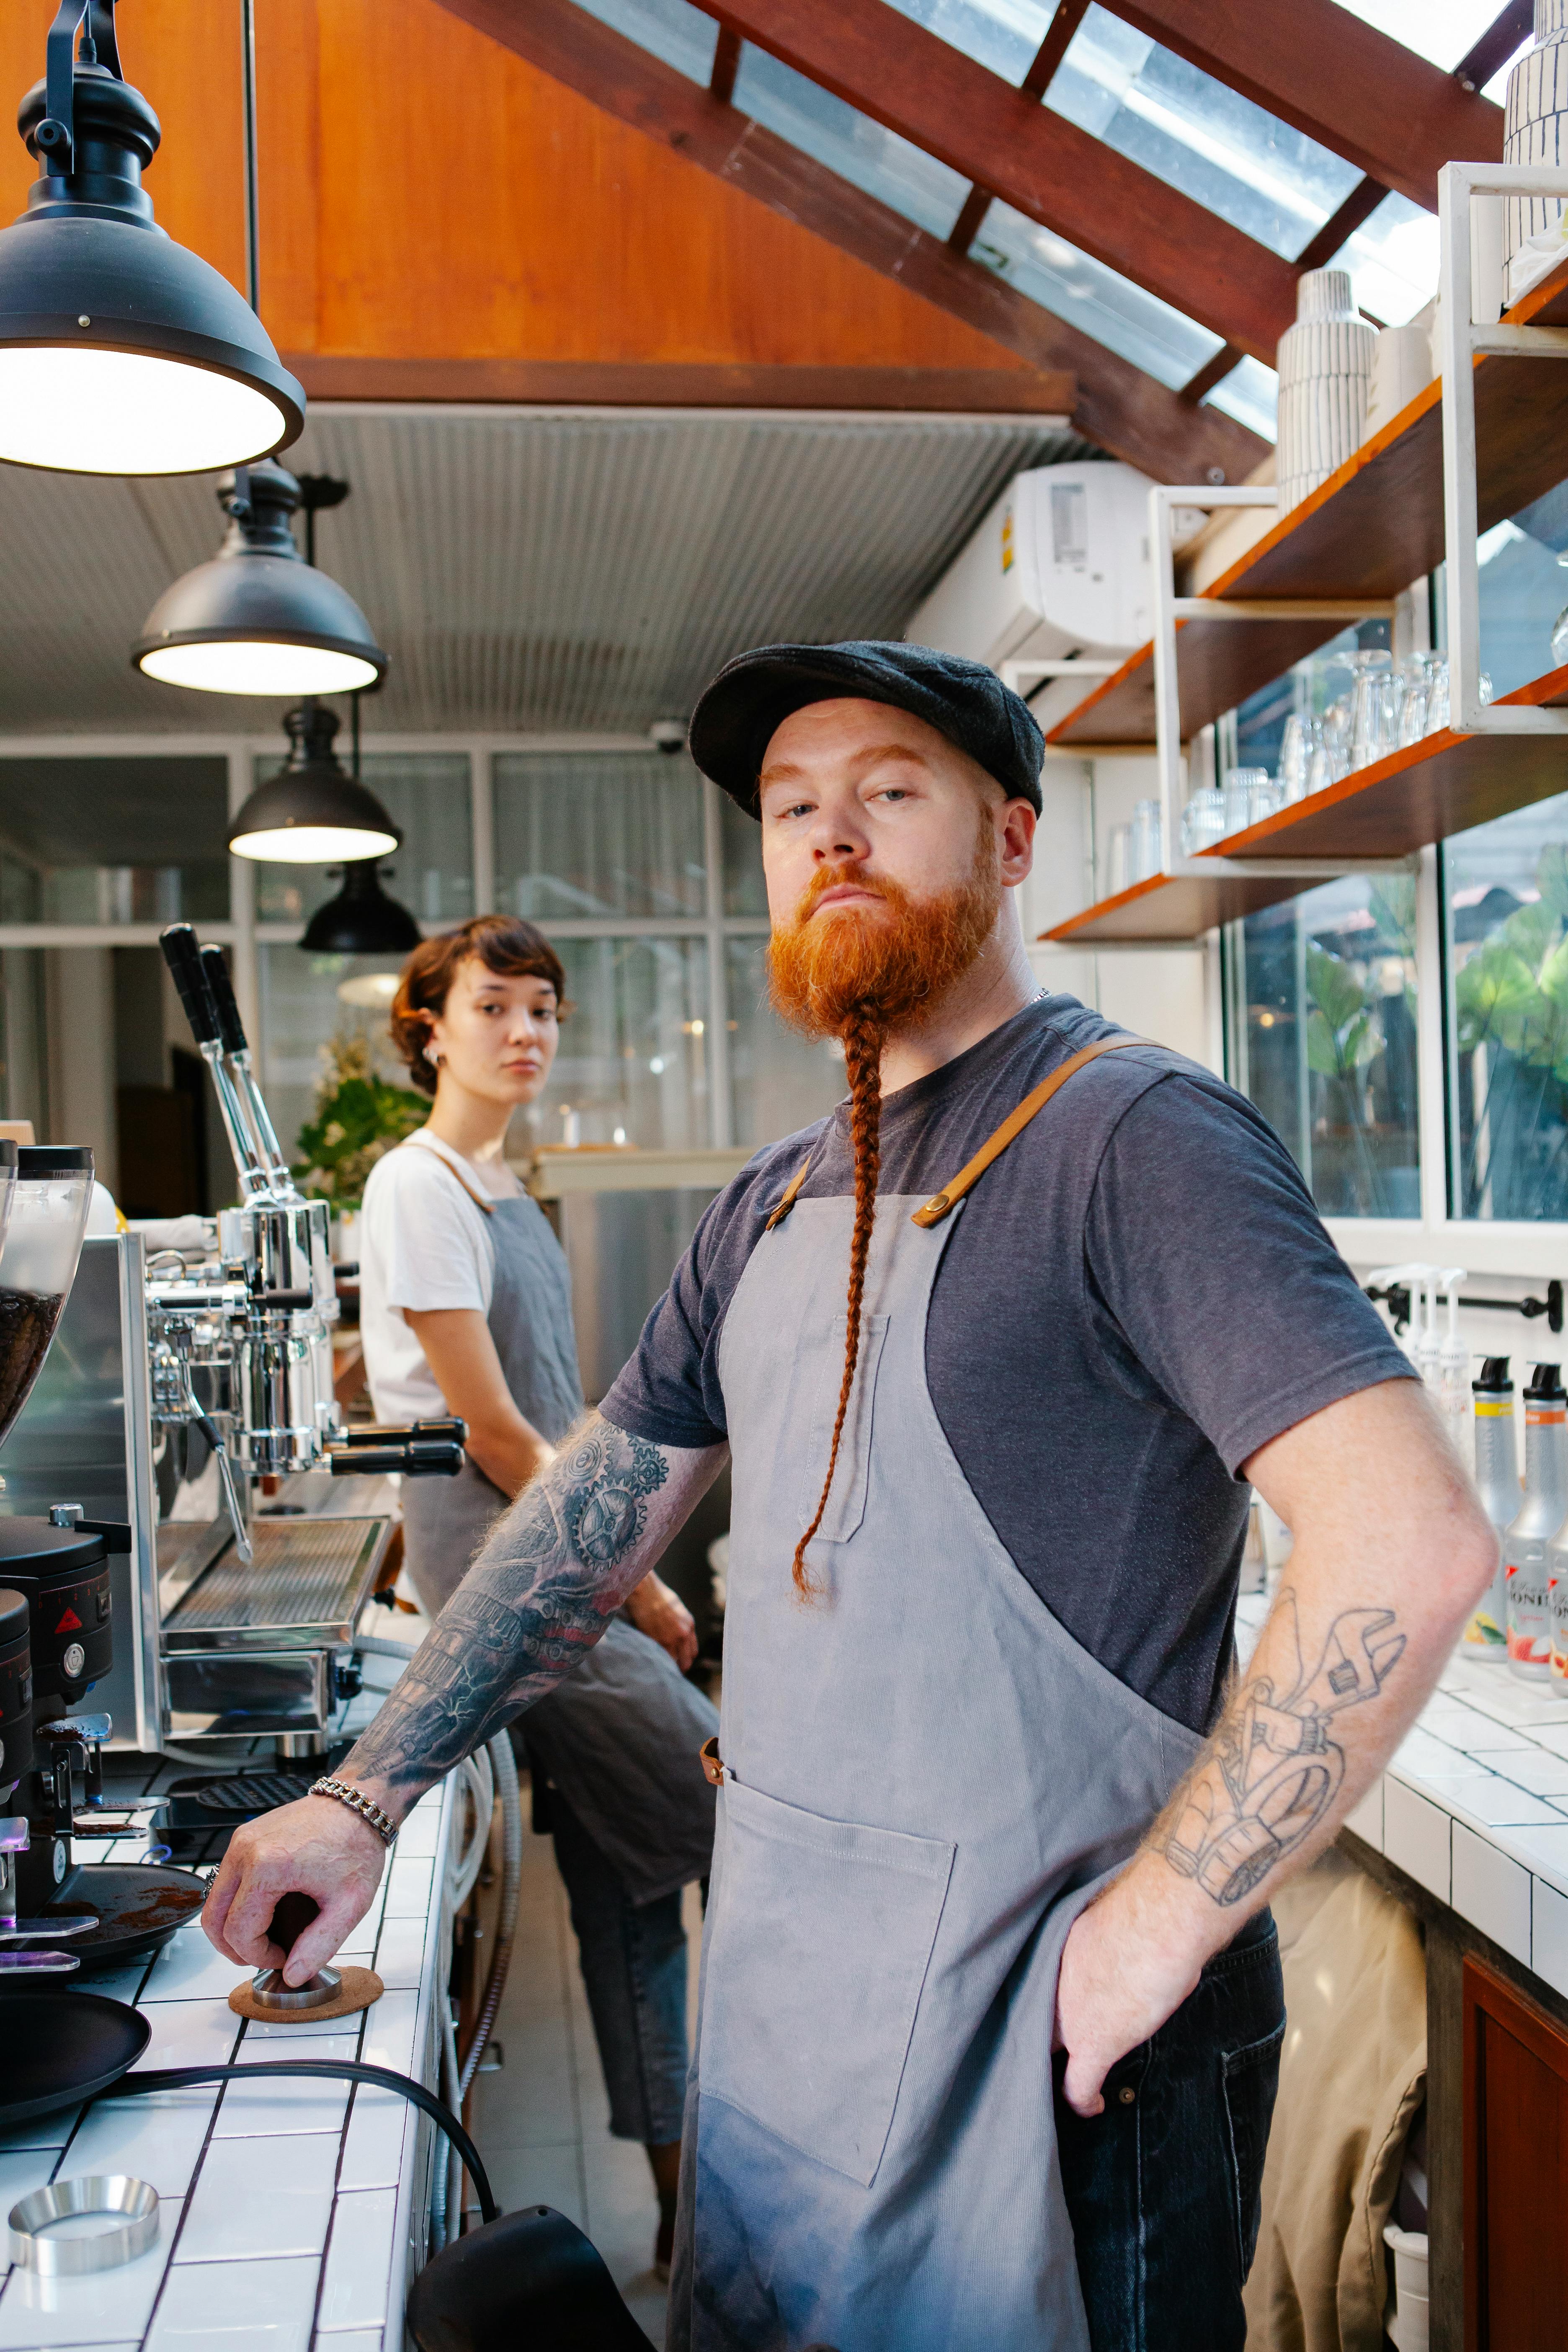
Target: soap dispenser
[(1497, 1481), (1541, 1514)]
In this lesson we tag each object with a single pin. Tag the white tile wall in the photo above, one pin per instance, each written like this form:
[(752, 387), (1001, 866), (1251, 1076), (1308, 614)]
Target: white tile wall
[(279, 2297), (1491, 1892), (262, 2197), (1415, 1836), (359, 2259), (1549, 1935), (60, 2313)]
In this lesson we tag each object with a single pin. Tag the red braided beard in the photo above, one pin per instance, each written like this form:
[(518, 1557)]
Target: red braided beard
[(855, 971)]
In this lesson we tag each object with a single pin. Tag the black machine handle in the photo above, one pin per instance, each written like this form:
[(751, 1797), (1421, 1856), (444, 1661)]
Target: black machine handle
[(291, 1915), (183, 957), (230, 1027), (398, 1433), (420, 1457)]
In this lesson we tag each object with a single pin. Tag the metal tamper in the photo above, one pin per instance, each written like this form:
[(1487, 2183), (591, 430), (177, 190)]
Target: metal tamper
[(330, 1992)]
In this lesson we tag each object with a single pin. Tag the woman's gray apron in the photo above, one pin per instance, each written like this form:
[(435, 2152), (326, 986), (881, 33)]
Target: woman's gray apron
[(925, 1778), (620, 1737)]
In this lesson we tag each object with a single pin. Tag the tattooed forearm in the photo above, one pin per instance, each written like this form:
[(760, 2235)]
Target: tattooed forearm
[(554, 1573), (1272, 1769)]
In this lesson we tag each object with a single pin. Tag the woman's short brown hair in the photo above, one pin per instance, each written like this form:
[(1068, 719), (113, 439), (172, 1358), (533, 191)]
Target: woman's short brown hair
[(503, 943)]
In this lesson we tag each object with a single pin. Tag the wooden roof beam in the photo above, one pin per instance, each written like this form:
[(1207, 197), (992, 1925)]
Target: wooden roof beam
[(1346, 84), (1117, 405), (916, 84)]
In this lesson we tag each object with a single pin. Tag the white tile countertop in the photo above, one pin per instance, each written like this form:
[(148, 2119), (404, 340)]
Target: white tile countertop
[(1473, 1806), (293, 2215)]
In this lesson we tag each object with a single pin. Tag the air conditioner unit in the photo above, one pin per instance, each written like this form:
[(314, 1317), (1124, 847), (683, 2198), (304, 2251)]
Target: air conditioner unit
[(1059, 567)]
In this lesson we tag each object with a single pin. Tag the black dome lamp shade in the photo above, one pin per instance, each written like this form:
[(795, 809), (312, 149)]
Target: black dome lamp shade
[(361, 920), (259, 618), (120, 352), (313, 813)]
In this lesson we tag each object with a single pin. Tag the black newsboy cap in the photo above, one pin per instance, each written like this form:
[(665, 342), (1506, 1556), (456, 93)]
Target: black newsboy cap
[(735, 719)]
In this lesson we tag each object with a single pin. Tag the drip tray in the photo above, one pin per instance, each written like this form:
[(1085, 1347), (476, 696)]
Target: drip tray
[(303, 1591)]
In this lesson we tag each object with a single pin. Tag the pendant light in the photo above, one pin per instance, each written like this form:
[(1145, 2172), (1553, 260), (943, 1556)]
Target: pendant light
[(361, 920), (120, 352), (259, 618), (313, 813)]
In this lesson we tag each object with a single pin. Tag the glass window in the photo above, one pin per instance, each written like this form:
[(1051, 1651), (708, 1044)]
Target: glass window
[(1524, 588), (1087, 295), (682, 36), (634, 1059), (113, 840), (598, 833), (1324, 1039), (745, 892), (780, 1080), (23, 1039), (431, 872), (1191, 132), (1505, 894), (878, 161), (302, 1012), (1004, 35)]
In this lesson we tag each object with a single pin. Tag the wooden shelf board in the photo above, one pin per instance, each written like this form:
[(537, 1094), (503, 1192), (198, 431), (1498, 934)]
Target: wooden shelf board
[(1370, 529), (1442, 785)]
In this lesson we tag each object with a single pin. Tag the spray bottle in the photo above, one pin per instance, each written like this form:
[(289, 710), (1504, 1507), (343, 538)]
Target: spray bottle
[(1454, 1367), (1544, 1507), (1497, 1481), (1557, 1607)]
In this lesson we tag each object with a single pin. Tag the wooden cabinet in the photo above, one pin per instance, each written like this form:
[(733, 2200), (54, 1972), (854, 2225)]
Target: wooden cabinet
[(1516, 2170)]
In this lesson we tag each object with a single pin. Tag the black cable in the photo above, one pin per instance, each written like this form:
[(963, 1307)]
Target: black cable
[(176, 2078)]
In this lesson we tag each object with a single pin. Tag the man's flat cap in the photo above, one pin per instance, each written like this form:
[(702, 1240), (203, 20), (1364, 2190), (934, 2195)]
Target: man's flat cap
[(753, 695)]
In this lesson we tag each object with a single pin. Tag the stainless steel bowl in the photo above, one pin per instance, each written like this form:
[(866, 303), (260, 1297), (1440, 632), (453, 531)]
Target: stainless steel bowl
[(104, 2249)]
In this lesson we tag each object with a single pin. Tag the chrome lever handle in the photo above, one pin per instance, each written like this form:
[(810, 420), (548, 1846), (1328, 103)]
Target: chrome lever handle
[(71, 1923), (41, 1964)]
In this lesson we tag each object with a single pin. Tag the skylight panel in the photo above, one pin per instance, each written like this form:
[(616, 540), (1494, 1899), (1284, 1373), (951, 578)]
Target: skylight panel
[(1002, 34), (1271, 181), (1089, 296), (1393, 260), (1250, 394), (878, 161), (1442, 31), (682, 36)]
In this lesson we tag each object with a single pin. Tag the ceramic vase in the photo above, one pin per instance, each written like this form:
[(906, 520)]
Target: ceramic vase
[(1536, 132), (1325, 373)]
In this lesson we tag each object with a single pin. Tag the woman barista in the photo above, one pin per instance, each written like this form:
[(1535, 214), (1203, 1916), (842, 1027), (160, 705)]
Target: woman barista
[(466, 1308)]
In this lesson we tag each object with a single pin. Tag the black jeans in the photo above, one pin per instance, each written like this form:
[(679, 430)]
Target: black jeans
[(1163, 2188)]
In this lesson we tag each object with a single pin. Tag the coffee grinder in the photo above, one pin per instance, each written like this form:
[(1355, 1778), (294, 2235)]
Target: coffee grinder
[(58, 1568)]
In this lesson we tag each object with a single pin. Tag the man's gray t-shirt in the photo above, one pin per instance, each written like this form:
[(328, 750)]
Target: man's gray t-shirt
[(1101, 1371)]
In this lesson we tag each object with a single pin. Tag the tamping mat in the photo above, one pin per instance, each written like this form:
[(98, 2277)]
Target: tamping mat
[(358, 1989)]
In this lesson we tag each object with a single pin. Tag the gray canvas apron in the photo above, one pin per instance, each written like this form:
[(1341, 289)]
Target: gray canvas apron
[(620, 1737), (925, 1777)]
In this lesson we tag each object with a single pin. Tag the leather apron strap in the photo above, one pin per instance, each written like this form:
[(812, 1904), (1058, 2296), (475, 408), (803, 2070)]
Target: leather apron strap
[(943, 1203)]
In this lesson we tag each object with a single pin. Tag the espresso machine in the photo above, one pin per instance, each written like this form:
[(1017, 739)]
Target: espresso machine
[(258, 1606), (57, 1914)]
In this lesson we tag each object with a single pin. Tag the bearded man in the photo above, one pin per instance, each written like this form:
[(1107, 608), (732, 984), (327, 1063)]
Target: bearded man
[(991, 2007)]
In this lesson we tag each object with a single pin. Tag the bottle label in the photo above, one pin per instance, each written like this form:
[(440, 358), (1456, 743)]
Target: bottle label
[(1529, 1621), (1557, 1610)]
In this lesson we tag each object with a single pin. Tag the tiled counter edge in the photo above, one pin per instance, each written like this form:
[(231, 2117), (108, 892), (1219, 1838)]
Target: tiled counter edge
[(295, 2201)]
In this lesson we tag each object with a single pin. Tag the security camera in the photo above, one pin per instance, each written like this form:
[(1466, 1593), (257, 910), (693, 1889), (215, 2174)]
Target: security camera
[(669, 736)]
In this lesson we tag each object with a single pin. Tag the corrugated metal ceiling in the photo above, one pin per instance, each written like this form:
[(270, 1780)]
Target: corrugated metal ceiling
[(527, 570)]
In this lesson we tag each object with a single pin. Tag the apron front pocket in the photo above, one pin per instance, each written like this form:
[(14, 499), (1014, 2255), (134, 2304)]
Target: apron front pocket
[(821, 1937)]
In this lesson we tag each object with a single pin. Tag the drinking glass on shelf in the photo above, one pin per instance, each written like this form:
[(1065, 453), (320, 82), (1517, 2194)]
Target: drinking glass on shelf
[(1267, 797), (1418, 674), (1203, 821), (1241, 785), (1375, 715), (1117, 859), (1147, 853), (1302, 735), (1438, 694)]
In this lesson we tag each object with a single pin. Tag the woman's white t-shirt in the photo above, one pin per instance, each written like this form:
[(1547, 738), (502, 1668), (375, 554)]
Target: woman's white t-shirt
[(423, 1244)]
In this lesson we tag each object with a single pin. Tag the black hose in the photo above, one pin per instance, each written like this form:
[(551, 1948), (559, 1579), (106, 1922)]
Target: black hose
[(175, 2078)]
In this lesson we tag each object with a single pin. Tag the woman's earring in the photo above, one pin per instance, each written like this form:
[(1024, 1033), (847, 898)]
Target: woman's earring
[(434, 1057)]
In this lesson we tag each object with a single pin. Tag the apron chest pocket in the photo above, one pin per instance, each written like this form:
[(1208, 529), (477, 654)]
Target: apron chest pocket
[(846, 1502), (818, 1947)]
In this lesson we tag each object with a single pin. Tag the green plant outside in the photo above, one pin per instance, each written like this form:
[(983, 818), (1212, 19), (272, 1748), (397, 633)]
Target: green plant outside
[(359, 1116)]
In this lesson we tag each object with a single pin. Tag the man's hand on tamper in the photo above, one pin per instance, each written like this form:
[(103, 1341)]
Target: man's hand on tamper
[(316, 1847)]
